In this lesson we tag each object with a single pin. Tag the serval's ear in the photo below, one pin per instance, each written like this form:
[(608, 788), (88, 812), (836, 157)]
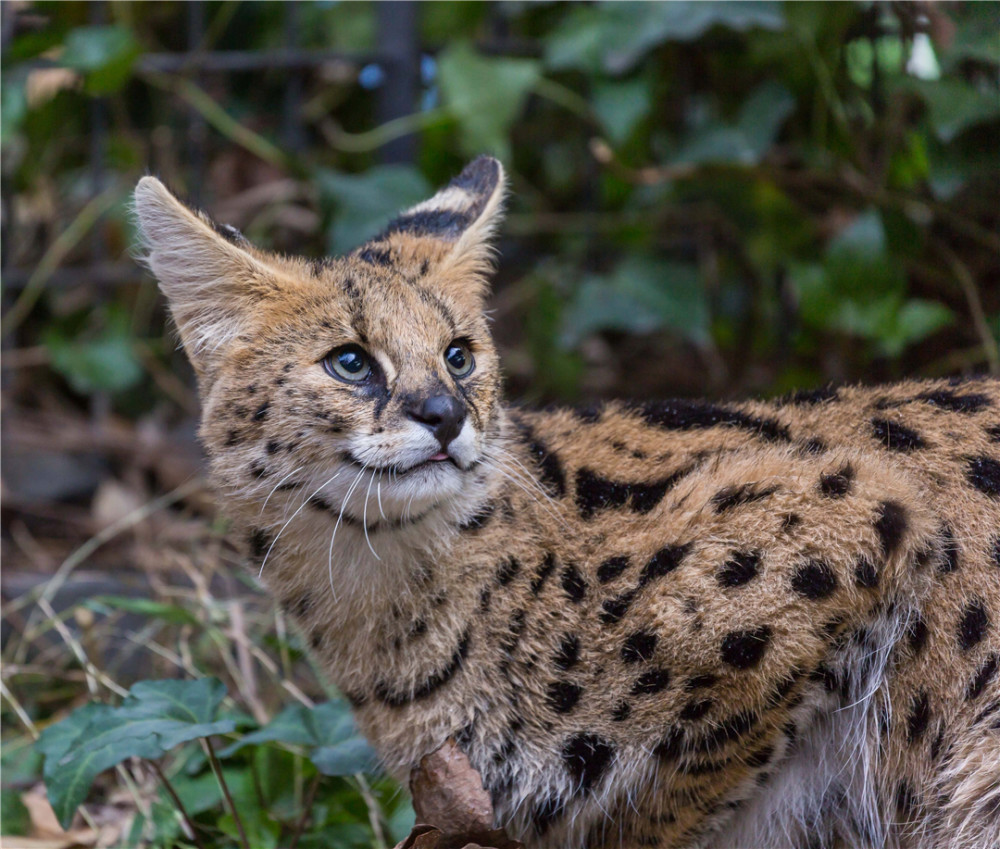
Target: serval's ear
[(210, 274), (452, 231)]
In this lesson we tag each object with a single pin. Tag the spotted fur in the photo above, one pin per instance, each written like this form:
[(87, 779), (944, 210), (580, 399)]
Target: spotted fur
[(681, 624)]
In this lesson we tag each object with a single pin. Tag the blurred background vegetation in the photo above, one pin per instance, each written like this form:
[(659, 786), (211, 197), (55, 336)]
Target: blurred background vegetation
[(715, 198)]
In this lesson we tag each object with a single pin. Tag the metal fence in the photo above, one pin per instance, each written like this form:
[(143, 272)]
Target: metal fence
[(398, 55)]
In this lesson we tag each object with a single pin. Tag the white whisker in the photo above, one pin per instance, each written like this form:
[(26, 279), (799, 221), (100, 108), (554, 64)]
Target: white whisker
[(333, 536), (305, 501), (276, 486), (364, 516)]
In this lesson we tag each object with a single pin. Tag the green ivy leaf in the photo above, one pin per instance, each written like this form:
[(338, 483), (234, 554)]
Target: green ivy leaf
[(155, 717), (104, 54), (328, 730), (365, 203), (641, 295), (955, 105), (485, 94), (102, 359), (621, 105), (615, 36), (759, 122)]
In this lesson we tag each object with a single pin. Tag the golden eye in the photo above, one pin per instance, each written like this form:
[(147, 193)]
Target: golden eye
[(459, 359), (349, 363)]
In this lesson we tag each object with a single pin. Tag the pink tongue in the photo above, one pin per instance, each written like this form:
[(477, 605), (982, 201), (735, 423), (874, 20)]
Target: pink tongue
[(440, 456)]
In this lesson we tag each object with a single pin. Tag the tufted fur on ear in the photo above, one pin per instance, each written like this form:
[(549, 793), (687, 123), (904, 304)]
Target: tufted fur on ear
[(211, 275), (452, 230)]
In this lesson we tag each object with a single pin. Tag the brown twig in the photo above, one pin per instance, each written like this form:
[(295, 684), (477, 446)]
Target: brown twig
[(306, 811), (217, 769), (192, 831), (968, 285)]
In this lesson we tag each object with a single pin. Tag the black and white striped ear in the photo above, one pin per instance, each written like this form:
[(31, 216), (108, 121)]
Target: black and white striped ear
[(454, 228)]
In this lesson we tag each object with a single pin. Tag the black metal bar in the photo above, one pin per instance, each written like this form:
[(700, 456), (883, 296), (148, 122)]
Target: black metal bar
[(235, 61), (399, 93), (291, 132), (197, 127)]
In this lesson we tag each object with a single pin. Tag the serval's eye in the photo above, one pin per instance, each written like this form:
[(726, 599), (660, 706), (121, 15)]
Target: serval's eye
[(459, 359), (349, 363)]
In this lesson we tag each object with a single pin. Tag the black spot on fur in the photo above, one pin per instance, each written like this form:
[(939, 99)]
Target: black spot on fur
[(563, 696), (993, 433), (790, 521), (568, 652), (545, 813), (261, 412), (984, 474), (590, 414), (260, 541), (895, 436), (612, 568), (837, 484), (433, 682), (479, 178), (233, 438), (983, 676), (973, 625), (587, 758), (760, 758), (671, 746), (542, 575), (809, 397), (745, 649), (227, 231), (814, 580), (447, 224), (273, 447), (971, 403), (734, 496), (917, 634), (663, 562), (639, 647), (595, 492), (696, 709), (906, 801), (485, 596), (479, 520), (891, 525), (918, 717), (621, 712), (573, 583), (694, 415), (549, 467), (699, 682), (865, 574), (507, 571), (950, 552), (814, 446), (731, 728), (613, 609), (375, 256), (740, 568)]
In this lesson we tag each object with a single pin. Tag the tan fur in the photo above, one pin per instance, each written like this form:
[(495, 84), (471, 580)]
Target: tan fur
[(757, 624)]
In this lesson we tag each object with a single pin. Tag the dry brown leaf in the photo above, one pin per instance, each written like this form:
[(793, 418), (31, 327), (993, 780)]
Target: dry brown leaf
[(448, 796), (46, 833)]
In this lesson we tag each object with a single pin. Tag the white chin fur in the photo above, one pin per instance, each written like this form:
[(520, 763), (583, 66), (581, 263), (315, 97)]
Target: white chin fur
[(365, 493)]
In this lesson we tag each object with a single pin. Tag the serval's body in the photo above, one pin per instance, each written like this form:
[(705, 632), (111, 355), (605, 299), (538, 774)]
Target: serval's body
[(678, 624)]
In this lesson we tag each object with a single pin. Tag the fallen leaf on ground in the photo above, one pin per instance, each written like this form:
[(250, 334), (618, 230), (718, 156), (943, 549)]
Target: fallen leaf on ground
[(453, 809)]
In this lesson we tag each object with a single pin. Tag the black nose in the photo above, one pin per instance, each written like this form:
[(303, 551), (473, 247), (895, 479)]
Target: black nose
[(442, 415)]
